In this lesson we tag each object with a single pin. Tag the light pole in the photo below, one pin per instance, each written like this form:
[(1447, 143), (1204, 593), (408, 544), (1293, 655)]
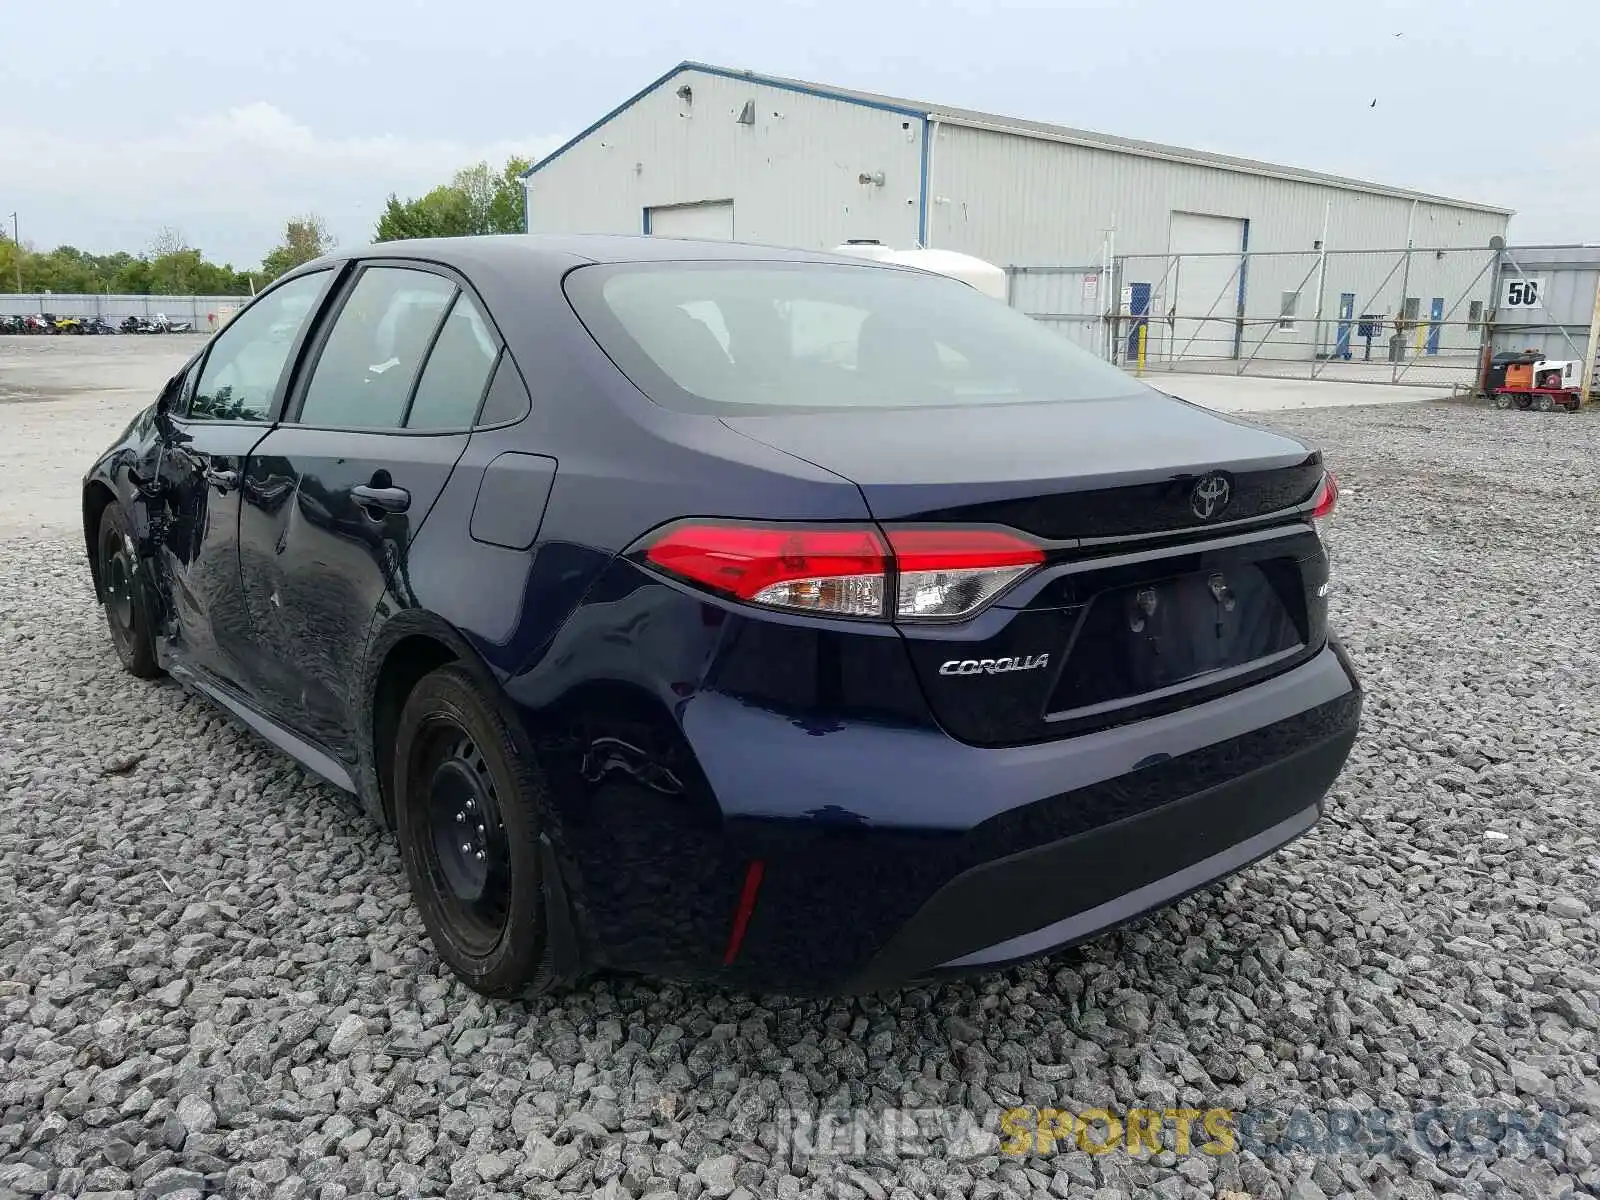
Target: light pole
[(16, 240)]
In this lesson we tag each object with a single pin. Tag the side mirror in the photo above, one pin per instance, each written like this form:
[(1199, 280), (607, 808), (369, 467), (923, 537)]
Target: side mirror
[(169, 394)]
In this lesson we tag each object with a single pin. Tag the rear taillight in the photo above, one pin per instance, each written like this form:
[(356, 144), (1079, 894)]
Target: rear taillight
[(838, 570), (1326, 497), (931, 574), (950, 573)]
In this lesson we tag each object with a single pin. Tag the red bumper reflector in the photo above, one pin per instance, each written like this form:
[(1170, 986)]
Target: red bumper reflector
[(747, 904)]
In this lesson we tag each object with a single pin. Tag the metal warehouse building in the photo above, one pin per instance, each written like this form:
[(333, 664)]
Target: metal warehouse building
[(708, 151)]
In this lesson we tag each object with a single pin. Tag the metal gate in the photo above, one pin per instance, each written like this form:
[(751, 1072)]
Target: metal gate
[(1074, 301), (1362, 316)]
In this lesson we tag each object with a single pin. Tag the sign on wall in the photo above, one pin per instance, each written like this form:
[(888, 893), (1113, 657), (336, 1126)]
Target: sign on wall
[(1091, 286), (1522, 291)]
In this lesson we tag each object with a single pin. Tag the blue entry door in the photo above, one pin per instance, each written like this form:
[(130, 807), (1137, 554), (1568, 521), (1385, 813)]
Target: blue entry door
[(1347, 312), (1435, 323)]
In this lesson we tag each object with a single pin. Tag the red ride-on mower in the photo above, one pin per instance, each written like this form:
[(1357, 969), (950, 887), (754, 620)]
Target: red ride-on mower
[(1529, 380)]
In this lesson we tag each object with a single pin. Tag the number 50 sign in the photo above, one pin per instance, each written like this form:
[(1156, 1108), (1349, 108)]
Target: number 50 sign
[(1522, 291)]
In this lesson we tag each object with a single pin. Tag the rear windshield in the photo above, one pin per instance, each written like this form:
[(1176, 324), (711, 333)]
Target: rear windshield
[(746, 337)]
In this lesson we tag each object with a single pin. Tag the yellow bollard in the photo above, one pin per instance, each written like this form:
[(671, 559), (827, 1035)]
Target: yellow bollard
[(1143, 331)]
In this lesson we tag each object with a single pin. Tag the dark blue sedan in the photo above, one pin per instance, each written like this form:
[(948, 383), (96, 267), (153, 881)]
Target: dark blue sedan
[(797, 622)]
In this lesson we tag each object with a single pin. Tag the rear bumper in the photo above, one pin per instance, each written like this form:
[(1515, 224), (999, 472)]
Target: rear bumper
[(996, 855), (1055, 895)]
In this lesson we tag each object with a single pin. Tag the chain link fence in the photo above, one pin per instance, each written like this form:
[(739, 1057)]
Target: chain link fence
[(1365, 316), (1409, 316)]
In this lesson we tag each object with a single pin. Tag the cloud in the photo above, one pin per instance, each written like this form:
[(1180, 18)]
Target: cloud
[(227, 181)]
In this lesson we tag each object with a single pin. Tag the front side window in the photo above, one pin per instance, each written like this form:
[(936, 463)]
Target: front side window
[(750, 337), (239, 378), (367, 366)]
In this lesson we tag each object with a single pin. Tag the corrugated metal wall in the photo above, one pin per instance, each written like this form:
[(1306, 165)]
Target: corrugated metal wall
[(1021, 200), (793, 175), (1559, 324)]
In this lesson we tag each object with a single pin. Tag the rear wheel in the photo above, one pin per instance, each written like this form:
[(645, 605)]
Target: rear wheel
[(126, 600), (468, 813)]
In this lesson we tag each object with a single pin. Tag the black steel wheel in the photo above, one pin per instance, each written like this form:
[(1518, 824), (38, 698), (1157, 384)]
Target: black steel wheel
[(469, 867), (124, 596), (469, 809)]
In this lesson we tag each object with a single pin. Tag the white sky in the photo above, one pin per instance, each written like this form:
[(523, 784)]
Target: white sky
[(222, 121)]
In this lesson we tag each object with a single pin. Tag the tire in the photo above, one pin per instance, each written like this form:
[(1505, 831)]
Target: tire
[(482, 898), (1502, 401), (1541, 403), (129, 613)]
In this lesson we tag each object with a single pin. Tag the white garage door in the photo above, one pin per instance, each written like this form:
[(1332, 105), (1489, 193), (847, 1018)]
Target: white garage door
[(713, 220), (1205, 292)]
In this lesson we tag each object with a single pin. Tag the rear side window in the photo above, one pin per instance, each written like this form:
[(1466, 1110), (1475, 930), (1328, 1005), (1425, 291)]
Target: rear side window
[(373, 353), (458, 369), (507, 400), (751, 337)]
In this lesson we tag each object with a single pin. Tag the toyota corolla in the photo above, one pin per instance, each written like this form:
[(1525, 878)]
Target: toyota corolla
[(795, 622)]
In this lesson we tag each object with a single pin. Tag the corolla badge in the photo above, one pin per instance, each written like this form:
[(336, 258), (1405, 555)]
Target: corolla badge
[(994, 666), (1210, 496)]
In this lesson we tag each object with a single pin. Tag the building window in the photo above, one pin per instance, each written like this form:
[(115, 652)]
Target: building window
[(1286, 310), (1412, 309), (1475, 315)]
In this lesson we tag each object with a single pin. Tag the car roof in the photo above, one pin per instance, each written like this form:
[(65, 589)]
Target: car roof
[(560, 252)]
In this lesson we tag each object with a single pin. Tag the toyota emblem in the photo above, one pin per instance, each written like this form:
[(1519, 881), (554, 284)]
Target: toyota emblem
[(1210, 496)]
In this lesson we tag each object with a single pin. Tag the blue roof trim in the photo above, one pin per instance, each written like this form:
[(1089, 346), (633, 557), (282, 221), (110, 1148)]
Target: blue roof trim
[(617, 111), (772, 81)]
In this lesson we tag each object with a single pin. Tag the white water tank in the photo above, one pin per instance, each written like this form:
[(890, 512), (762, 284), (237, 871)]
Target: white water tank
[(984, 276)]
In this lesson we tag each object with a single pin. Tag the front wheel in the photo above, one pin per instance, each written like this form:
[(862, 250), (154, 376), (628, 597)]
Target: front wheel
[(127, 601), (468, 814)]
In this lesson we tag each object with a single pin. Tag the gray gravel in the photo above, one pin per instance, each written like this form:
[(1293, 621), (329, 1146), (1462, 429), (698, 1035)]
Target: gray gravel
[(212, 981)]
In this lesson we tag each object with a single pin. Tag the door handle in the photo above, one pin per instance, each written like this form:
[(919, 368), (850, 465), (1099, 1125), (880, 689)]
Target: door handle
[(382, 499), (222, 480)]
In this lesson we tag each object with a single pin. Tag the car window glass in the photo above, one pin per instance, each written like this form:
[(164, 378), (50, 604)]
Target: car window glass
[(364, 373), (508, 398), (824, 332), (458, 369), (239, 379), (747, 337), (709, 315)]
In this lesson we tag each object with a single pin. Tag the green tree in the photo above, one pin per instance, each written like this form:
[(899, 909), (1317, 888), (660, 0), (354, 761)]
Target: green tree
[(475, 201), (10, 254), (304, 238), (170, 268)]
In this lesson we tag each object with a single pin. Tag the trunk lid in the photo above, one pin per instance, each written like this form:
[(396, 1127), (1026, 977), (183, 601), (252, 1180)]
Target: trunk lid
[(1078, 469), (1150, 599)]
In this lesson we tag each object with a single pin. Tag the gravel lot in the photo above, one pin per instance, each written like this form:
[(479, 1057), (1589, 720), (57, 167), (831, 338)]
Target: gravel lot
[(212, 980)]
